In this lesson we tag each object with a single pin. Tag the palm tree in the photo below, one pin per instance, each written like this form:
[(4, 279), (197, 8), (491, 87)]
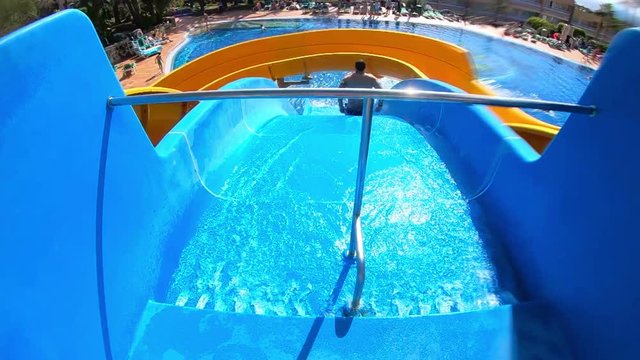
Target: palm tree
[(115, 7), (572, 11), (16, 13), (606, 14), (160, 9), (608, 21), (202, 5), (134, 10)]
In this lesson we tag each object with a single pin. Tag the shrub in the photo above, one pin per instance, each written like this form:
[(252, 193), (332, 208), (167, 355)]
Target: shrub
[(579, 33), (539, 23)]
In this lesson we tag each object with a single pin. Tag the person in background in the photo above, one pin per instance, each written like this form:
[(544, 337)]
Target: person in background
[(361, 80), (160, 62)]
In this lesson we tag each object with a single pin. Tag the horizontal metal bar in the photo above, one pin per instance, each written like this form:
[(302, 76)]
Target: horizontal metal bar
[(385, 94)]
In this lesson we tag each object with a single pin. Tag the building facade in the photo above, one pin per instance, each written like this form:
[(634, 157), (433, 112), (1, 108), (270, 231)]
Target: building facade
[(591, 23), (554, 11)]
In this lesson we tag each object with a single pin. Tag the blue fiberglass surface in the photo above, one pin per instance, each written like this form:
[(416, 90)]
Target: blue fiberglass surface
[(510, 69), (268, 238)]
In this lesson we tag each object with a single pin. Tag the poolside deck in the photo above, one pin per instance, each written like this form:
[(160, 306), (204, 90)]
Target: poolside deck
[(148, 72)]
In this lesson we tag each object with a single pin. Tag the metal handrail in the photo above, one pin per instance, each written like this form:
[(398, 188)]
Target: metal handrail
[(383, 94), (356, 245)]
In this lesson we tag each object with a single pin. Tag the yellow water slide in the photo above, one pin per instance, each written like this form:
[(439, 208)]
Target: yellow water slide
[(158, 119), (387, 53)]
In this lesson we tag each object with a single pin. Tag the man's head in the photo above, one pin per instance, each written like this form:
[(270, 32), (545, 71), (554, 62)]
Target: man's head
[(360, 66)]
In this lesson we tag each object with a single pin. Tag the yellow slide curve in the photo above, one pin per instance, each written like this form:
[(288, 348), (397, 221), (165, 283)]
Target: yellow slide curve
[(387, 53)]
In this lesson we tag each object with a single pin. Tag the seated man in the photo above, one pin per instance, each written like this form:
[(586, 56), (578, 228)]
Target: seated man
[(360, 80)]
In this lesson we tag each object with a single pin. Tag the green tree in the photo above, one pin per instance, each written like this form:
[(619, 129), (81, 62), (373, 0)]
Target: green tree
[(148, 10), (572, 11), (95, 11), (17, 13), (606, 13), (202, 6), (134, 10), (607, 20), (540, 23), (579, 33), (161, 7), (115, 6)]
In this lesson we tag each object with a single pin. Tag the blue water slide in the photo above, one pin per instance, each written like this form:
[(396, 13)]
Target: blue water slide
[(87, 203), (567, 217)]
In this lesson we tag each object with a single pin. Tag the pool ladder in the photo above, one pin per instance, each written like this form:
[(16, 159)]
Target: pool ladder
[(356, 246)]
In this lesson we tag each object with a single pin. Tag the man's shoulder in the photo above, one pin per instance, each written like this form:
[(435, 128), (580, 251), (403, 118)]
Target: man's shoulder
[(348, 76), (372, 79)]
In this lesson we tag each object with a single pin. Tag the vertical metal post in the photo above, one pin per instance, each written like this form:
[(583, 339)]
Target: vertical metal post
[(356, 247), (360, 275)]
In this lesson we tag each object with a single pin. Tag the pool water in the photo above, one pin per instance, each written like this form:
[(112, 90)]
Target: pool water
[(510, 69), (267, 236)]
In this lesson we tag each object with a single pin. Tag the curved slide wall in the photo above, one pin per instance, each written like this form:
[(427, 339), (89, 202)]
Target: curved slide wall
[(435, 58), (58, 147), (568, 217)]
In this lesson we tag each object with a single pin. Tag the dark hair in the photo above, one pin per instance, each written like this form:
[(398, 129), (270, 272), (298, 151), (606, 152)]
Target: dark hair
[(360, 65)]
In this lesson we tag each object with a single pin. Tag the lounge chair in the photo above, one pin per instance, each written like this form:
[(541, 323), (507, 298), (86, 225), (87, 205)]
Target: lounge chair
[(321, 8), (308, 6), (146, 52), (436, 15), (128, 69)]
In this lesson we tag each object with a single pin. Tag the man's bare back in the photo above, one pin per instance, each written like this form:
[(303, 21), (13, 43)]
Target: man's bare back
[(358, 80)]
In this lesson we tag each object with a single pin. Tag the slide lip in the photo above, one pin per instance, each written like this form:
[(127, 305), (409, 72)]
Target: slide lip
[(455, 64), (302, 43), (145, 90)]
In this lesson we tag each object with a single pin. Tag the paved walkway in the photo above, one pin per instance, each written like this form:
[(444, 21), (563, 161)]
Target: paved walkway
[(148, 72)]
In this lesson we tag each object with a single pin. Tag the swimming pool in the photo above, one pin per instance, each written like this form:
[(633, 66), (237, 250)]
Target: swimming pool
[(510, 69)]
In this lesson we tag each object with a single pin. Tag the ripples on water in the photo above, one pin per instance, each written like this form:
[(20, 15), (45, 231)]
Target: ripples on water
[(271, 239)]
